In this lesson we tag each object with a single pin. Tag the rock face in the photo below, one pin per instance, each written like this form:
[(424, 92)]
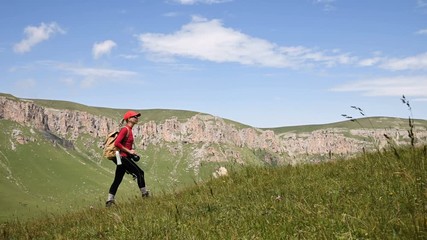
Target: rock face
[(207, 129), (344, 141), (199, 129), (60, 122)]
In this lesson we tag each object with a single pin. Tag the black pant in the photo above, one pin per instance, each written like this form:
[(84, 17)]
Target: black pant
[(128, 165)]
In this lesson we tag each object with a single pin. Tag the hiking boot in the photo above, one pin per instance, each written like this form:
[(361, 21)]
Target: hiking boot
[(146, 194), (110, 203)]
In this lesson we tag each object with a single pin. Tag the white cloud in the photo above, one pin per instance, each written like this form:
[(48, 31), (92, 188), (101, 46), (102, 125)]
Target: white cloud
[(418, 62), (102, 48), (191, 2), (422, 32), (89, 77), (99, 72), (302, 55), (370, 61), (73, 74), (36, 35), (128, 56), (415, 86), (209, 40)]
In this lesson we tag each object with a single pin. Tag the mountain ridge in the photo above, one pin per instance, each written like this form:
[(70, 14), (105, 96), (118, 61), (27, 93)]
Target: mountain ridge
[(160, 125)]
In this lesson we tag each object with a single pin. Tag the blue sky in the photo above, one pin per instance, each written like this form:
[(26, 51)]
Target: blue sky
[(265, 63)]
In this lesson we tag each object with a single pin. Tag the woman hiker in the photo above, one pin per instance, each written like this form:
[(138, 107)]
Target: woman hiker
[(128, 156)]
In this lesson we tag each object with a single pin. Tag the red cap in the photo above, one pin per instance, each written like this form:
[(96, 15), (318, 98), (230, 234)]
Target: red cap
[(130, 114)]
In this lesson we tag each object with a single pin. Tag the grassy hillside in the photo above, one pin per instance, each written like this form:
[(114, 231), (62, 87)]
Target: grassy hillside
[(40, 176), (63, 189), (374, 196), (368, 122), (37, 176)]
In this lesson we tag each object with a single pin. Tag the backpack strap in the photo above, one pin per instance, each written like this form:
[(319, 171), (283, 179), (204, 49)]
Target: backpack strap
[(127, 135)]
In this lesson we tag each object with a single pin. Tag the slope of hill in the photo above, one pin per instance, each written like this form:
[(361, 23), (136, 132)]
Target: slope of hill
[(374, 196)]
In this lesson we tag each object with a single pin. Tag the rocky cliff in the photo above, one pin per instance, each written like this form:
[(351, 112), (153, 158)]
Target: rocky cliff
[(66, 126)]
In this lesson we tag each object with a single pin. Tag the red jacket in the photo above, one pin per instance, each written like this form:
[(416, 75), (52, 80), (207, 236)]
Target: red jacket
[(122, 141)]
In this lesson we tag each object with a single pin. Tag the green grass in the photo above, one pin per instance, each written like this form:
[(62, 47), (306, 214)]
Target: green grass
[(374, 196)]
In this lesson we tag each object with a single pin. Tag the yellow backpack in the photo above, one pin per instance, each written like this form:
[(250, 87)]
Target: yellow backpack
[(109, 148)]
